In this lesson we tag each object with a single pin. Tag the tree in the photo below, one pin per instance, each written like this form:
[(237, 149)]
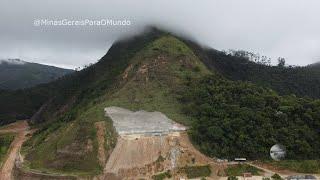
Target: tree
[(281, 62), (238, 118), (276, 177)]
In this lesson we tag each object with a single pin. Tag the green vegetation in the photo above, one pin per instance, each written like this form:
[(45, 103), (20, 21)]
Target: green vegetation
[(300, 166), (110, 137), (237, 119), (162, 176), (155, 77), (196, 171), (160, 159), (94, 80), (150, 80), (18, 76), (286, 80), (5, 141), (66, 140), (276, 177), (21, 104), (69, 147), (59, 97), (158, 72), (239, 169)]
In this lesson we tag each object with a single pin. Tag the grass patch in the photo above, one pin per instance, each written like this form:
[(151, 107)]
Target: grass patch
[(162, 176), (157, 75), (196, 171), (167, 44), (276, 177), (71, 148), (5, 141), (239, 169), (300, 166)]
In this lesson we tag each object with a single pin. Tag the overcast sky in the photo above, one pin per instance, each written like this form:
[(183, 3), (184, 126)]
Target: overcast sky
[(286, 28)]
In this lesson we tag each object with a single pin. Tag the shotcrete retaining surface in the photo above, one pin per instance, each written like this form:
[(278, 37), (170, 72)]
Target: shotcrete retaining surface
[(141, 122)]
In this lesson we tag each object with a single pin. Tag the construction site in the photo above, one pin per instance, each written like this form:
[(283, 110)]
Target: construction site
[(149, 143)]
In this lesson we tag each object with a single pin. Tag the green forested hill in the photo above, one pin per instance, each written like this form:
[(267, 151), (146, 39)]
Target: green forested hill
[(70, 89), (301, 81), (146, 72), (21, 104), (236, 119), (17, 74)]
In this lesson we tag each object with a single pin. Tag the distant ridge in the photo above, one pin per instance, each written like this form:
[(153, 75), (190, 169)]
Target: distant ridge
[(17, 74)]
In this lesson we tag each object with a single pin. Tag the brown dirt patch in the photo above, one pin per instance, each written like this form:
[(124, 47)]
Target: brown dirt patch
[(143, 155)]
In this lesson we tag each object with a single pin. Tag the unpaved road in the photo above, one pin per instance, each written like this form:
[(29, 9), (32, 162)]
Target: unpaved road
[(267, 172), (14, 127), (283, 173), (21, 130)]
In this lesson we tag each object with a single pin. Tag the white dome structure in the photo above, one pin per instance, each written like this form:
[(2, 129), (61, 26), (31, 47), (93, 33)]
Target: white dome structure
[(278, 152)]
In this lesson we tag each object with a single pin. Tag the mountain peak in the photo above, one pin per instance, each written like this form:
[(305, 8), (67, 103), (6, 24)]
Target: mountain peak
[(170, 44)]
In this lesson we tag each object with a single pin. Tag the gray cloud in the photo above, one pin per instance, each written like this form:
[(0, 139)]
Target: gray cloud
[(286, 28)]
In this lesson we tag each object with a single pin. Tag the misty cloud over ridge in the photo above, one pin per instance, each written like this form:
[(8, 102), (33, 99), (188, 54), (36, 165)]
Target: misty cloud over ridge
[(286, 28)]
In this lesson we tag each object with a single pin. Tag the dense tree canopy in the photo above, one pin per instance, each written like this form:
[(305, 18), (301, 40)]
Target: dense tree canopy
[(237, 119), (284, 79)]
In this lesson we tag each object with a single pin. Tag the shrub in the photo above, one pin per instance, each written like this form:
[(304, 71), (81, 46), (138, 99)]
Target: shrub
[(196, 171), (276, 177)]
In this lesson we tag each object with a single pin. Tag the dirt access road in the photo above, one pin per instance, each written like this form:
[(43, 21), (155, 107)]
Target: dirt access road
[(270, 170), (20, 128)]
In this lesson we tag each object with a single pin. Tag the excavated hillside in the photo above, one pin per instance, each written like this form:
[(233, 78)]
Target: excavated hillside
[(148, 77), (149, 143)]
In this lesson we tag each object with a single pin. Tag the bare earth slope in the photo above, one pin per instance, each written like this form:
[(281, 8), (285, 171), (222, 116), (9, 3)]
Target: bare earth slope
[(158, 146)]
